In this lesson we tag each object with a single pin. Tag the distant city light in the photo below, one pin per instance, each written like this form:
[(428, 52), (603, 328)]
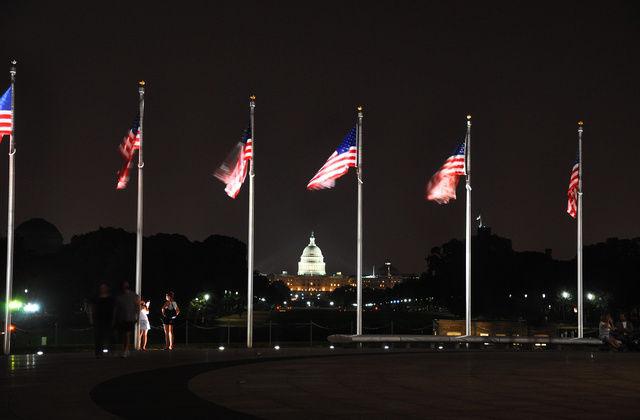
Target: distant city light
[(591, 296), (331, 347), (331, 303), (105, 350), (575, 310), (386, 347), (207, 296), (276, 347), (544, 295), (565, 295), (26, 290), (308, 303), (31, 308), (14, 305), (221, 348), (440, 347), (525, 295), (39, 352)]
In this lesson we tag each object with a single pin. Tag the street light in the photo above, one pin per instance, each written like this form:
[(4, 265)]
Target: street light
[(565, 295), (591, 296), (207, 296)]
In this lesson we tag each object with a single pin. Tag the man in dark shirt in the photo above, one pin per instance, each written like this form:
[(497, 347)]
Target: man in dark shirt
[(101, 318)]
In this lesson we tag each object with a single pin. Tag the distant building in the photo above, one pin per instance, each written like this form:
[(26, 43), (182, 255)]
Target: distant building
[(312, 275)]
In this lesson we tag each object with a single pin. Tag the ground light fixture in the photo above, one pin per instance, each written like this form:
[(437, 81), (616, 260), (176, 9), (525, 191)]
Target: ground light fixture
[(331, 347), (386, 347), (39, 352), (591, 296), (276, 347), (105, 351), (221, 348)]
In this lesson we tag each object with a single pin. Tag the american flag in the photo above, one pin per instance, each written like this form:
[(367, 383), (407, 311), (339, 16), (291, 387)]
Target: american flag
[(6, 114), (572, 194), (127, 149), (234, 169), (345, 157), (442, 185)]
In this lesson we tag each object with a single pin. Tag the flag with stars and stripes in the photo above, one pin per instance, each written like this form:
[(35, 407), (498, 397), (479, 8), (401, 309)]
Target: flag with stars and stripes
[(6, 114), (338, 164), (572, 193), (442, 185), (127, 149), (234, 169)]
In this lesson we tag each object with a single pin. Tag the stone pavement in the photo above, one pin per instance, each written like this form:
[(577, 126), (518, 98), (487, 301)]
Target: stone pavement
[(323, 383)]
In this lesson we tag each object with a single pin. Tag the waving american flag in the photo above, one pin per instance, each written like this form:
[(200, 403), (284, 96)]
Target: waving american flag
[(127, 149), (338, 164), (572, 193), (234, 169), (6, 115), (442, 185)]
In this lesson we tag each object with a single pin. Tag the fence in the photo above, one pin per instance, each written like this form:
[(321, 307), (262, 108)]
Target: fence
[(268, 333)]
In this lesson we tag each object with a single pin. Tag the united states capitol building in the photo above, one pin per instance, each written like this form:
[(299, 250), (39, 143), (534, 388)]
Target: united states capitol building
[(312, 274)]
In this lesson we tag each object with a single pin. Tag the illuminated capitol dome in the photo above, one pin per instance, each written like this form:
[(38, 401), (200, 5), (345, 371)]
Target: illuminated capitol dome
[(311, 261)]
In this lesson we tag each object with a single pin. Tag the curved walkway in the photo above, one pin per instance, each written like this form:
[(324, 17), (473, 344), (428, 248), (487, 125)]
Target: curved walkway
[(391, 385)]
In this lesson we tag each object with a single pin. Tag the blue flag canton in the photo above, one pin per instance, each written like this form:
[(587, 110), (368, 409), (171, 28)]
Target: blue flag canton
[(5, 101), (459, 151), (246, 134), (135, 127), (348, 142)]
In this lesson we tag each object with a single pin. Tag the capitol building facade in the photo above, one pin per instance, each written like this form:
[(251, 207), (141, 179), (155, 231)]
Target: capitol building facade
[(312, 274)]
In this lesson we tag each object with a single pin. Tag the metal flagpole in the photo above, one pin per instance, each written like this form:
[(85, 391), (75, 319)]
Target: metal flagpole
[(141, 87), (579, 253), (468, 230), (10, 215), (359, 246), (252, 107)]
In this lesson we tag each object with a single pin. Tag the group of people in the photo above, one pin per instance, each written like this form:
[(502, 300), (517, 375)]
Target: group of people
[(115, 317), (619, 335)]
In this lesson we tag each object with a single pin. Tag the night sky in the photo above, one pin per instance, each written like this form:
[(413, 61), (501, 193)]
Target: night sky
[(526, 71)]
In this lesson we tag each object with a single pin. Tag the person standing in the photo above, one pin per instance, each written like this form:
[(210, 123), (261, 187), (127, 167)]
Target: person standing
[(145, 326), (101, 318), (127, 311), (170, 311)]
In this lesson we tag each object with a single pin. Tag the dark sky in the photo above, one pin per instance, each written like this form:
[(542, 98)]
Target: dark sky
[(527, 71)]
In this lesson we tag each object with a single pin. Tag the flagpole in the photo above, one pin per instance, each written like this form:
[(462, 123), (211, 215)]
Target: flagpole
[(579, 251), (359, 245), (252, 106), (468, 230), (141, 89), (10, 215)]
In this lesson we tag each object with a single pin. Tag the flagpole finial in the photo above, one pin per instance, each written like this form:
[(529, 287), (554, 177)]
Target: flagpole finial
[(580, 123), (12, 69), (252, 98), (469, 117)]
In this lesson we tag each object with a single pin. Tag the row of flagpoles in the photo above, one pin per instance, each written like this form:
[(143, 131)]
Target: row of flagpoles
[(441, 188)]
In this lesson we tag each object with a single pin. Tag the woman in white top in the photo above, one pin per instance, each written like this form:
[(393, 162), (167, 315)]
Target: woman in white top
[(145, 326), (170, 311)]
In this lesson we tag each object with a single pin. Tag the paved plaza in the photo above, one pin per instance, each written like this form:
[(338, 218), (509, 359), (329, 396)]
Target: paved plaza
[(323, 383)]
